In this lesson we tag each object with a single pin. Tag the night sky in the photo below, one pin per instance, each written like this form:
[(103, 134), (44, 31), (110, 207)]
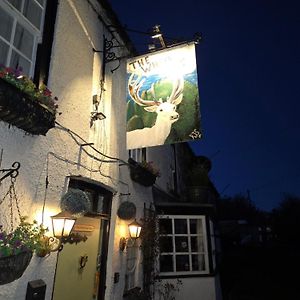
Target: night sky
[(248, 71)]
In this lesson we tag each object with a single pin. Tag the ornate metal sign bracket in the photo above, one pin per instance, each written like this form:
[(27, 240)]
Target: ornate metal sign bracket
[(13, 172), (108, 54)]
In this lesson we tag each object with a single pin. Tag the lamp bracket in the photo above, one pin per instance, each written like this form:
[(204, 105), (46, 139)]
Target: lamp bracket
[(124, 243)]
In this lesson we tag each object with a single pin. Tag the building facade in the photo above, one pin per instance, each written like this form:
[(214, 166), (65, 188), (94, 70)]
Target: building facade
[(67, 45)]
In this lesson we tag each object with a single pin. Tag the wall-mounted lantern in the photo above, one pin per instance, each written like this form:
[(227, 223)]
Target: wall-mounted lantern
[(62, 225), (134, 232)]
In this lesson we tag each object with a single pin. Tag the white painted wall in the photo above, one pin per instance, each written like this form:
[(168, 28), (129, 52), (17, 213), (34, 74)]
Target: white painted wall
[(74, 77)]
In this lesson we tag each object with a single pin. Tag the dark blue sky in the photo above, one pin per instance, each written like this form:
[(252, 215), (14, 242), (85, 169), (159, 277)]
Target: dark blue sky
[(248, 70)]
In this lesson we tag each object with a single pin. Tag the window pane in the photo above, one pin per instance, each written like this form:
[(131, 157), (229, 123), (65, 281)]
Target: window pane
[(181, 244), (33, 13), (3, 52), (16, 3), (6, 23), (166, 263), (180, 226), (17, 61), (165, 244), (182, 263), (23, 41), (197, 244), (198, 262), (196, 226), (165, 226)]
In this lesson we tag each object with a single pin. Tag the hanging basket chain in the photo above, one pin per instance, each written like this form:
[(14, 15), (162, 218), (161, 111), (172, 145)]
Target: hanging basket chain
[(16, 197), (12, 196), (11, 207)]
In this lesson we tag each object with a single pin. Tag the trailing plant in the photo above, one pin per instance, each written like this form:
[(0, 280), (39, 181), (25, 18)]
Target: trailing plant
[(26, 237), (150, 249), (42, 94), (168, 289)]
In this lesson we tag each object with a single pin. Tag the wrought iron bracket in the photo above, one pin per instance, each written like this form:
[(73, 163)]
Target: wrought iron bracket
[(12, 172), (108, 54)]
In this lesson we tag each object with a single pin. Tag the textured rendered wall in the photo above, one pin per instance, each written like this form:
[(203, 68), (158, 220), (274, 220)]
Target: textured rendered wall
[(74, 78)]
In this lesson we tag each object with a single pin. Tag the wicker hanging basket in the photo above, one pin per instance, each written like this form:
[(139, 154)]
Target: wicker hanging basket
[(12, 267)]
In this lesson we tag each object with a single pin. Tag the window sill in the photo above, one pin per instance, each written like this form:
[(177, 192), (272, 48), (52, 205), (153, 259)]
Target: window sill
[(182, 275)]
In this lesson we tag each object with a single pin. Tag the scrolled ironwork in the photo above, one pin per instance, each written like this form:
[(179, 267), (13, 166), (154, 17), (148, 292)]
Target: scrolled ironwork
[(13, 172)]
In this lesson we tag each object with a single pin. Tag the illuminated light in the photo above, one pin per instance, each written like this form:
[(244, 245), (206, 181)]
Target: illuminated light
[(134, 229), (134, 232), (62, 224)]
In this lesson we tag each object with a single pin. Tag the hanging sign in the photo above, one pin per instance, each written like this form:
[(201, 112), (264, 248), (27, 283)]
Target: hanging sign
[(162, 98)]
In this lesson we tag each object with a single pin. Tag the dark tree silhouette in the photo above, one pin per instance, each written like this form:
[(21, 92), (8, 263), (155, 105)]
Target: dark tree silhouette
[(286, 220), (239, 207)]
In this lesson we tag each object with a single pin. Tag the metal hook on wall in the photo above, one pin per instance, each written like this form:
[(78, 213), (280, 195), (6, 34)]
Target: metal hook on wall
[(12, 172)]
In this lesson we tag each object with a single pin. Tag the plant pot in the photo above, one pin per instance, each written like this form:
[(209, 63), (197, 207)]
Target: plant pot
[(18, 109), (12, 267), (140, 174)]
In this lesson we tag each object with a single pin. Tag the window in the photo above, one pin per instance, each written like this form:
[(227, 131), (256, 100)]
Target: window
[(183, 245), (138, 155), (21, 24)]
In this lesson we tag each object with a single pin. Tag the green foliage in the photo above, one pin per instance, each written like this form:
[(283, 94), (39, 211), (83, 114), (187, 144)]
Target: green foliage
[(167, 289), (27, 236), (150, 249), (26, 85)]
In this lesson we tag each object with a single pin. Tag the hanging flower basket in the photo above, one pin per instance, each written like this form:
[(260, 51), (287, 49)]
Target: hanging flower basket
[(12, 267), (18, 109), (140, 174)]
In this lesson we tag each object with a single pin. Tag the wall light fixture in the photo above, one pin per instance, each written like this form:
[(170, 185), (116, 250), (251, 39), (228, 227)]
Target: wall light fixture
[(134, 232), (62, 225)]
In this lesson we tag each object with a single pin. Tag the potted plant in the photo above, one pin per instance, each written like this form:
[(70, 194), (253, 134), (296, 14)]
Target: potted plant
[(17, 247), (144, 173), (24, 105)]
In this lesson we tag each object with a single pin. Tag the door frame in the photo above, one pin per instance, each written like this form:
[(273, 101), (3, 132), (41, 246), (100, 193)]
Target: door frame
[(96, 189)]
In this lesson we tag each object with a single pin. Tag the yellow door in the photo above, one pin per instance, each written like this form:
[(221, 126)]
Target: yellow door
[(76, 273)]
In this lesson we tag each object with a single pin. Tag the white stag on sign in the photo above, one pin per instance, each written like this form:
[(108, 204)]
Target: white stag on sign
[(166, 114)]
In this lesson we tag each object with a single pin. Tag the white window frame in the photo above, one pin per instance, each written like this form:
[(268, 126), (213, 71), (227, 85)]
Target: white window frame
[(18, 17), (139, 155), (189, 252)]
